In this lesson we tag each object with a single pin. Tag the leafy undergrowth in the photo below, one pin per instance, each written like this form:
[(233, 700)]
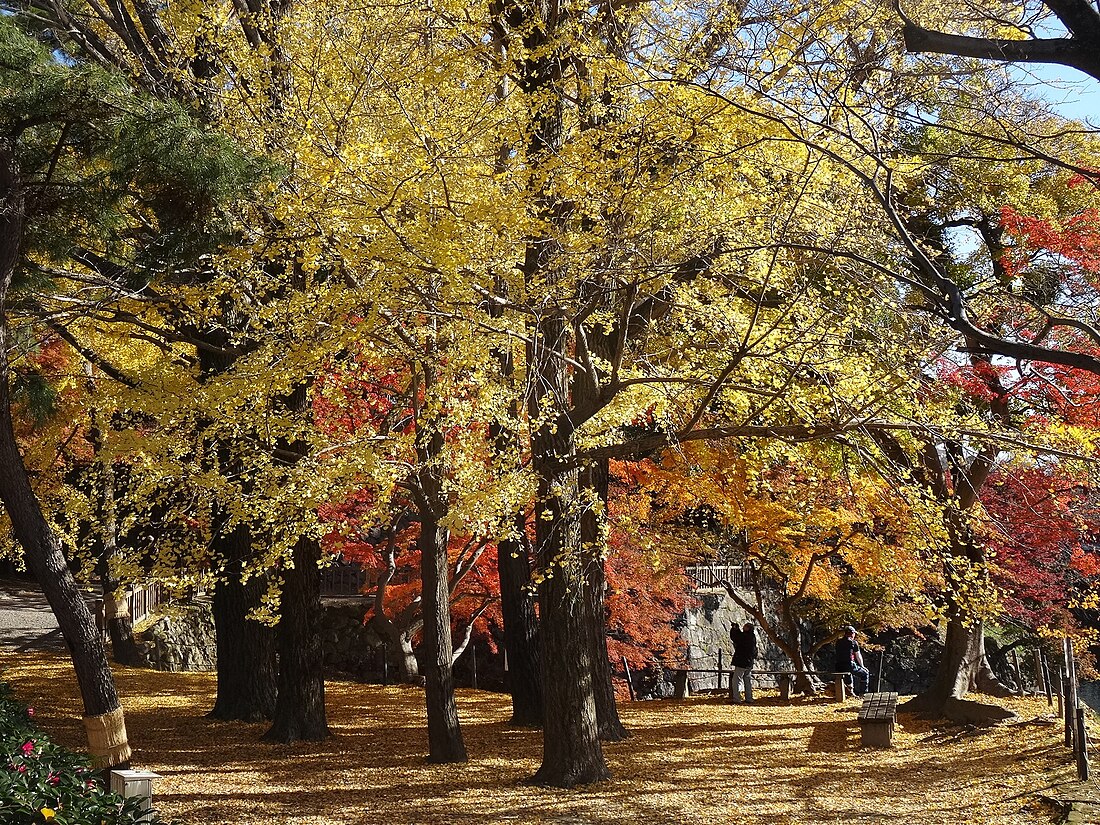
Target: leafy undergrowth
[(696, 760), (43, 782)]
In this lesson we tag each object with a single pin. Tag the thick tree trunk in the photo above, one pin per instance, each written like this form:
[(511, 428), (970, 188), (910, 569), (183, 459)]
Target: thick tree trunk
[(962, 668), (120, 628), (521, 641), (595, 478), (300, 700), (103, 715), (300, 703), (444, 733), (572, 754), (246, 648), (958, 665)]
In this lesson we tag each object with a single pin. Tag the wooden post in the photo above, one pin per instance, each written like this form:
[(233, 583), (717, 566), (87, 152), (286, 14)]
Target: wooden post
[(785, 687), (629, 680), (1061, 693), (878, 676), (720, 669), (1082, 748), (1019, 675), (385, 667), (682, 689), (1037, 660), (840, 692), (1070, 700), (473, 666), (1045, 667)]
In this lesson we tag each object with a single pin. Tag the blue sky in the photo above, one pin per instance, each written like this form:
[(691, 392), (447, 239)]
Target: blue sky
[(1075, 94)]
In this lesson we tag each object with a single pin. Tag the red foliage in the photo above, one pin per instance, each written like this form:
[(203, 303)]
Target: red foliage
[(357, 396), (1039, 536), (1075, 243)]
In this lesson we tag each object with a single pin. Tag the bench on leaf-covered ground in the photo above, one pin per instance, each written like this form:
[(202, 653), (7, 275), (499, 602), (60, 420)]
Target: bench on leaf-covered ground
[(784, 679), (877, 717)]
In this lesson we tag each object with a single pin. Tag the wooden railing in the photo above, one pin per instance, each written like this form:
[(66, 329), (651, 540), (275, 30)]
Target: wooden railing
[(712, 575), (142, 601), (345, 580)]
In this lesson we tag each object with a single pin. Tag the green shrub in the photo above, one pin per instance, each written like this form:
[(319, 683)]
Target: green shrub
[(41, 782)]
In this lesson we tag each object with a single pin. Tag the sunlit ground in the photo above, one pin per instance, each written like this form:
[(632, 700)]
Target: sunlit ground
[(692, 761)]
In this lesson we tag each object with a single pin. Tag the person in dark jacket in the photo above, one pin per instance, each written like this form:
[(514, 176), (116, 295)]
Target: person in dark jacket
[(849, 659), (744, 655)]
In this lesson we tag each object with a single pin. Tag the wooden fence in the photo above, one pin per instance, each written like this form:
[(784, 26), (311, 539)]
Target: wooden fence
[(346, 580), (712, 575), (1077, 736), (142, 601)]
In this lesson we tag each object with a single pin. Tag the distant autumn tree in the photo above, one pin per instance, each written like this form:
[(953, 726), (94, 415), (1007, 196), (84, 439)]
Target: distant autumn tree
[(818, 544)]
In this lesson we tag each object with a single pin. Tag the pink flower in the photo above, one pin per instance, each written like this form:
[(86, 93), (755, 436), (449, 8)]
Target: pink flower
[(90, 784), (22, 769), (53, 778), (30, 711), (28, 748)]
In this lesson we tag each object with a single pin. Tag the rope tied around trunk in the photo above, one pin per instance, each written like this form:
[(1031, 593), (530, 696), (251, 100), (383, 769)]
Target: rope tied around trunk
[(107, 740), (116, 605)]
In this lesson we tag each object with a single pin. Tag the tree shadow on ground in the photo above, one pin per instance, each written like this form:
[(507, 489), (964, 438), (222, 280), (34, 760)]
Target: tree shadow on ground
[(831, 737)]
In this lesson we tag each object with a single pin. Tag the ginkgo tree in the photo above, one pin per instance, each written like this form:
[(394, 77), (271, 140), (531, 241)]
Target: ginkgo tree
[(579, 233)]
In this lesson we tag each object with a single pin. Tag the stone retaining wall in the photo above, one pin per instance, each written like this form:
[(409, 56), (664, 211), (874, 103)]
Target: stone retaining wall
[(182, 639)]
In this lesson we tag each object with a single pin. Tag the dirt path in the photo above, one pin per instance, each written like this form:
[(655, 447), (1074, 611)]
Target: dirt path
[(26, 621)]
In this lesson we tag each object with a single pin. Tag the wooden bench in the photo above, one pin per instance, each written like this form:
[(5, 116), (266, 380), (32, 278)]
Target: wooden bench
[(877, 718), (784, 678)]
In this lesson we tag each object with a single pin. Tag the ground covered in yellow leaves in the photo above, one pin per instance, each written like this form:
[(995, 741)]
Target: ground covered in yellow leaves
[(695, 760)]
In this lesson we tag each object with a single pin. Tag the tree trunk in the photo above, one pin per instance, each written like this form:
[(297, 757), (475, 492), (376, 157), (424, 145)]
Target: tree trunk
[(300, 700), (962, 668), (116, 609), (517, 602), (572, 754), (399, 650), (444, 733), (803, 683), (963, 665), (595, 478), (120, 628), (521, 641), (246, 648), (103, 715), (300, 704)]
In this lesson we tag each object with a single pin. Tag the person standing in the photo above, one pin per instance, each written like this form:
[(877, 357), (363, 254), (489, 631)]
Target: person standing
[(744, 656), (849, 659)]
